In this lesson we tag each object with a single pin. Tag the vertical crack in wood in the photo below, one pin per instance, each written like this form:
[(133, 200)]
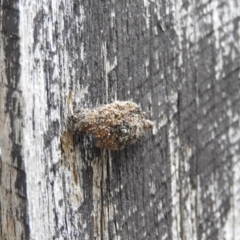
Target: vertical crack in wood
[(102, 195)]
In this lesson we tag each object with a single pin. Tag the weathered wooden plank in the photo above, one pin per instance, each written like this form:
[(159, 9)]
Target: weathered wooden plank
[(179, 61), (13, 194)]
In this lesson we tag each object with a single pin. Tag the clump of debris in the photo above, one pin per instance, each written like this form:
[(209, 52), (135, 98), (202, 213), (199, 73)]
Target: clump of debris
[(114, 126)]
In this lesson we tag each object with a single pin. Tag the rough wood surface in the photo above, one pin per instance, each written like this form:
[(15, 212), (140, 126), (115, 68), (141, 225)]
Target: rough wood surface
[(179, 60), (13, 194)]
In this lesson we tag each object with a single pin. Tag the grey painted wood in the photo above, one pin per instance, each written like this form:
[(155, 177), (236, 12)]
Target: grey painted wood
[(179, 60)]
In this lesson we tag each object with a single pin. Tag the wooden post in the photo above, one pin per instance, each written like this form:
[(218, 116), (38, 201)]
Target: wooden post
[(179, 61)]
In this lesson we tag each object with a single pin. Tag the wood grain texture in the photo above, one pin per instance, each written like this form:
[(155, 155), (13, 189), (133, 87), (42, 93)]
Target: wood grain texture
[(179, 60), (13, 192)]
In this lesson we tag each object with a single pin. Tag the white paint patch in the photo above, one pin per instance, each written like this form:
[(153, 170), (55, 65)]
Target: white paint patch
[(33, 88), (152, 188), (82, 54), (181, 188), (147, 67), (80, 94), (81, 18), (45, 201), (112, 18), (147, 13), (231, 229), (155, 128), (174, 158), (108, 67)]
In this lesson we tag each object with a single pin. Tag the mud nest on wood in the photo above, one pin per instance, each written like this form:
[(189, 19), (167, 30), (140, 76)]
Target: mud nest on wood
[(114, 126)]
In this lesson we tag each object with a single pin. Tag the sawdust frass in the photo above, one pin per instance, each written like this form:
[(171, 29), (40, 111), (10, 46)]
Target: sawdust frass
[(114, 126)]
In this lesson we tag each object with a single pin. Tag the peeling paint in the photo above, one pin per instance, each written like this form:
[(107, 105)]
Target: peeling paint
[(182, 58)]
